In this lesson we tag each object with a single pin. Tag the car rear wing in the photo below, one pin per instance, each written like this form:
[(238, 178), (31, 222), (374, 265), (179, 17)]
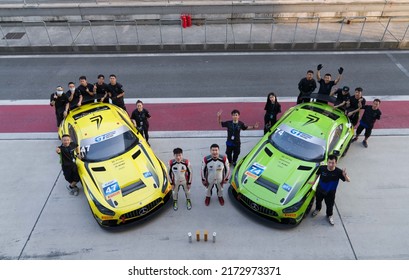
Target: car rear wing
[(321, 97)]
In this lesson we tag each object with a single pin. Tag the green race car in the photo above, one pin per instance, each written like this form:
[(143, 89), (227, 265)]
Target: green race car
[(275, 179)]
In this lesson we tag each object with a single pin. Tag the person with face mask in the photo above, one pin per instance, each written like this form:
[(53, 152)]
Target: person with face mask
[(74, 96), (60, 102)]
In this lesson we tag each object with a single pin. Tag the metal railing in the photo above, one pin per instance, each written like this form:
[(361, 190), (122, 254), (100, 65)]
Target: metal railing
[(205, 32)]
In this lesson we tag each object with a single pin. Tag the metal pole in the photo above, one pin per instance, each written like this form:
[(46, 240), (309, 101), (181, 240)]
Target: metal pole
[(136, 31), (72, 37), (404, 35), (362, 30), (116, 33), (227, 22), (271, 33), (181, 29), (92, 33), (316, 30), (160, 32), (251, 30), (205, 33), (386, 29), (48, 34), (28, 37), (340, 29), (295, 30)]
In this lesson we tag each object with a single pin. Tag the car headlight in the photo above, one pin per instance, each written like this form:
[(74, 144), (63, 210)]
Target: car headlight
[(295, 207), (235, 178), (101, 207), (165, 181)]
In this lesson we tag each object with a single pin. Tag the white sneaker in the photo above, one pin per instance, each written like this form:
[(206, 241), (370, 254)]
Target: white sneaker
[(331, 220), (315, 212), (76, 191), (73, 191)]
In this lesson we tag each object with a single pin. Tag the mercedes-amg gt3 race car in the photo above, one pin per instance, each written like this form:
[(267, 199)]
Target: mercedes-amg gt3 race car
[(122, 178), (274, 179)]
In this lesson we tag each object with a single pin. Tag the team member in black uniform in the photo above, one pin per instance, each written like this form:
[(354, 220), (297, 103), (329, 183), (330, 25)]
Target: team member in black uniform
[(233, 134), (116, 92), (343, 97), (59, 101), (329, 176), (101, 90), (356, 103), (326, 84), (67, 152), (306, 86), (86, 89), (371, 114), (74, 96), (140, 120), (272, 108)]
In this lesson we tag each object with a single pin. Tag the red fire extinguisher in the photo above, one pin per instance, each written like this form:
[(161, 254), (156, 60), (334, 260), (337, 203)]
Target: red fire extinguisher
[(188, 20), (184, 20)]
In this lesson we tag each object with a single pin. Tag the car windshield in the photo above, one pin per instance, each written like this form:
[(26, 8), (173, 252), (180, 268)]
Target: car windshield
[(108, 145), (298, 144)]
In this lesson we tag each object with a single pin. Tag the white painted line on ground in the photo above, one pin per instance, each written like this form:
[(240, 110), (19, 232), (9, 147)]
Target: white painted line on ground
[(295, 53), (182, 100), (400, 66)]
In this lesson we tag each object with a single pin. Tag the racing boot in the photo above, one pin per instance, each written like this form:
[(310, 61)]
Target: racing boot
[(175, 205), (221, 200), (188, 204)]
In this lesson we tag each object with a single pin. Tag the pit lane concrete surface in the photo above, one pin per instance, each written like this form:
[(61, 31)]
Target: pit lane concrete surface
[(41, 221)]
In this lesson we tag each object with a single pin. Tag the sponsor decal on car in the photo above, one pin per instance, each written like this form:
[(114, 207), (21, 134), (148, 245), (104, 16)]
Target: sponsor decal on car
[(105, 136), (287, 188), (255, 170), (111, 189), (147, 174)]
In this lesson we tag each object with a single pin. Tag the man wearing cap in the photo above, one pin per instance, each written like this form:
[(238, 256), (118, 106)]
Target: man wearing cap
[(342, 97), (354, 105), (60, 102)]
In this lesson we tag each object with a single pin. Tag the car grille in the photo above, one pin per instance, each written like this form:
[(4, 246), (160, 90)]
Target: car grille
[(257, 207), (143, 210), (267, 184)]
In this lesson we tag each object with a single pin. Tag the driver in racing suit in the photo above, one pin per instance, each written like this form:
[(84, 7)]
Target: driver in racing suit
[(215, 172), (180, 175)]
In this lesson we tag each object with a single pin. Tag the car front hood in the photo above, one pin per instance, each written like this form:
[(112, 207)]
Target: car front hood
[(276, 178), (125, 181)]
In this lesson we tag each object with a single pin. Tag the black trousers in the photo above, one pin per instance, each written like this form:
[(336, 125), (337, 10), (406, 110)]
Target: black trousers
[(145, 134), (71, 173), (329, 199), (368, 130), (232, 153)]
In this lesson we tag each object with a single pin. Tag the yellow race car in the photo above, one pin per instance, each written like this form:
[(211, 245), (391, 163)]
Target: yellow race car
[(122, 178)]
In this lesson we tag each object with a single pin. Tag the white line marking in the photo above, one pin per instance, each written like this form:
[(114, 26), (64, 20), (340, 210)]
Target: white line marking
[(184, 100), (400, 66), (25, 56)]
